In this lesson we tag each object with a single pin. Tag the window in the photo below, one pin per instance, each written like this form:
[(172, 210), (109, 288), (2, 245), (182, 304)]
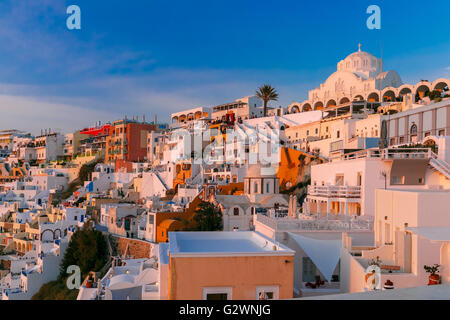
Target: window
[(339, 180), (266, 293), (441, 133), (255, 187), (338, 134), (217, 293), (267, 188), (398, 180), (236, 211)]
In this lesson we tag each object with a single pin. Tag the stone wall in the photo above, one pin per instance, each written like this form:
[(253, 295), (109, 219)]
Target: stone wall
[(133, 247)]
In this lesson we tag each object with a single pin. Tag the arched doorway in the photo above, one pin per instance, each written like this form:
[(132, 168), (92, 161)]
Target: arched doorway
[(373, 97), (344, 100), (422, 91), (389, 96), (318, 105), (331, 103)]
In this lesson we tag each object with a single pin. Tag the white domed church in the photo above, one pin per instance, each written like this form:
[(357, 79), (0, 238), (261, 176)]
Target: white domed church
[(261, 190), (359, 76)]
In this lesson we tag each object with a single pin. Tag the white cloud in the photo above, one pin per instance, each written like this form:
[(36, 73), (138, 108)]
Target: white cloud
[(31, 115)]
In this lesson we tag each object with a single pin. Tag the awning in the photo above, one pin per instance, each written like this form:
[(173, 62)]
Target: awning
[(325, 254), (432, 233)]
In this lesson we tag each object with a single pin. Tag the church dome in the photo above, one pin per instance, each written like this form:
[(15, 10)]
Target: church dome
[(361, 63)]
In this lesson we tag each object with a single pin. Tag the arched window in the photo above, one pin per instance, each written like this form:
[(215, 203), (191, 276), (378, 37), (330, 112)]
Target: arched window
[(413, 129), (255, 188)]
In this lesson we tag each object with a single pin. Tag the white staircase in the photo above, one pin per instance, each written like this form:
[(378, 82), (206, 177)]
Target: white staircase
[(160, 179), (440, 165)]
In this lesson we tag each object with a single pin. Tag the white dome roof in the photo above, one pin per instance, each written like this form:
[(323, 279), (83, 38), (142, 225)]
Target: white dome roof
[(360, 54), (361, 63), (121, 281)]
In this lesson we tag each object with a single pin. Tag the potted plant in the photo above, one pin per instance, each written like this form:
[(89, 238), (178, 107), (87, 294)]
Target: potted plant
[(434, 278), (375, 262), (388, 285)]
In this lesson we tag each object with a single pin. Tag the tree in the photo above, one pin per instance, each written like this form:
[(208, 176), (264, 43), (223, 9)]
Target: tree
[(208, 217), (88, 250), (435, 94), (266, 93)]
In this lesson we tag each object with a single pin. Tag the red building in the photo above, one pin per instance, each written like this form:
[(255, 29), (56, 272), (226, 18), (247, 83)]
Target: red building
[(127, 140)]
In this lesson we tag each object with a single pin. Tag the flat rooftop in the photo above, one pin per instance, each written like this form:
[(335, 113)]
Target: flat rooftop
[(224, 243)]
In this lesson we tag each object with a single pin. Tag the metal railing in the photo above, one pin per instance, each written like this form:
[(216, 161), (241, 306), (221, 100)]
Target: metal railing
[(385, 154), (335, 191), (289, 223)]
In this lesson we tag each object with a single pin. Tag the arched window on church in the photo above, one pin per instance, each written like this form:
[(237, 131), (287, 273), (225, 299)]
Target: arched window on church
[(413, 129)]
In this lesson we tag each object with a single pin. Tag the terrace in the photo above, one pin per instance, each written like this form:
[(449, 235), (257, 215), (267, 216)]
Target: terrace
[(223, 243), (384, 154), (312, 223), (335, 191)]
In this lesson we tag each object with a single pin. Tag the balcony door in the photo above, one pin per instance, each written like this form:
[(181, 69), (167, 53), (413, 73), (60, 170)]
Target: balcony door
[(339, 181), (309, 270)]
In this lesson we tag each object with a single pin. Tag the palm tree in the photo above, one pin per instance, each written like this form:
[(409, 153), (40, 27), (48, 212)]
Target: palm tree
[(266, 93)]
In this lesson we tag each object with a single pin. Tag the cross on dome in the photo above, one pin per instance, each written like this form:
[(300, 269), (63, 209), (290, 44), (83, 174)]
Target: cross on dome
[(359, 47)]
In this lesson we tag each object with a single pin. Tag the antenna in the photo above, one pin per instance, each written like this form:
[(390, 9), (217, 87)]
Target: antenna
[(381, 56)]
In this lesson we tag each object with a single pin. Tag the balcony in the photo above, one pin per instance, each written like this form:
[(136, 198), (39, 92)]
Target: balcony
[(292, 224), (335, 191), (384, 154)]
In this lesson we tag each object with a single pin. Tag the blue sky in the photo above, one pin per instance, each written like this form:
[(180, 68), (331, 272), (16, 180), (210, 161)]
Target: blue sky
[(156, 57)]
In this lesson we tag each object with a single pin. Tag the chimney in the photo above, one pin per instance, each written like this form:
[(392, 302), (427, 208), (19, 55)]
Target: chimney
[(156, 119)]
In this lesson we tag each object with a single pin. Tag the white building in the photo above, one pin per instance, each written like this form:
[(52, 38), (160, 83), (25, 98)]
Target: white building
[(261, 191)]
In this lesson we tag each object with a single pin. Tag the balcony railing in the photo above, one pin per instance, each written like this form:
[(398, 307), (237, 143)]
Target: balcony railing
[(384, 154), (292, 224), (335, 191)]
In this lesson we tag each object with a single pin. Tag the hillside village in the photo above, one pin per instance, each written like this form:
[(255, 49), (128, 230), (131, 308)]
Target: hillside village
[(241, 200)]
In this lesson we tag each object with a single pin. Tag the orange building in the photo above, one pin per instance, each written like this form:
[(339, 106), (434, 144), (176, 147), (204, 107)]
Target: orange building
[(228, 266), (183, 171), (166, 222), (294, 166)]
